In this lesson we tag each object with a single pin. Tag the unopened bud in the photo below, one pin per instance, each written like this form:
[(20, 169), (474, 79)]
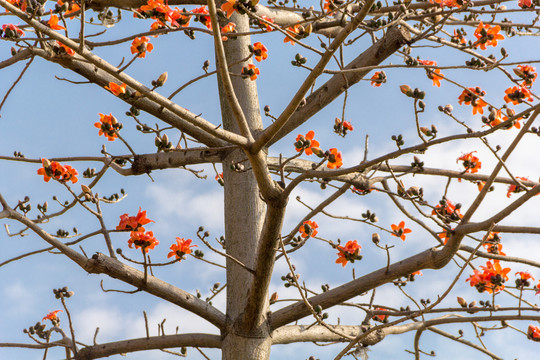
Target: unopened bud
[(273, 298), (406, 89), (86, 189), (162, 79), (461, 301), (376, 238), (46, 163)]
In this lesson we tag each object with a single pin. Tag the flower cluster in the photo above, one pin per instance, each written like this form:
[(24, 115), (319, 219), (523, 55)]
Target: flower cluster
[(491, 279), (527, 73), (10, 31), (181, 248), (70, 7), (260, 51), (459, 37), (230, 28), (378, 78), (471, 163), (265, 26), (53, 317), (487, 35), (143, 240), (341, 127), (133, 223), (108, 126), (205, 20), (232, 6), (473, 96), (250, 71), (517, 94), (311, 146), (53, 169), (447, 211), (400, 230), (434, 75), (308, 229), (497, 117), (349, 252), (297, 32), (162, 13), (381, 317), (492, 244), (514, 189), (523, 279), (140, 46)]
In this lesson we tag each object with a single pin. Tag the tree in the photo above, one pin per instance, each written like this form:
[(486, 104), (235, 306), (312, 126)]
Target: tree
[(458, 213)]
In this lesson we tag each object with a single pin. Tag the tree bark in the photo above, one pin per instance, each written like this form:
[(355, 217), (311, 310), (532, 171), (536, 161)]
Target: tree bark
[(244, 212)]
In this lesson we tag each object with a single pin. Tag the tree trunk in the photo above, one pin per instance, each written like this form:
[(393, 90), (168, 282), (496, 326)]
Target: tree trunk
[(244, 211)]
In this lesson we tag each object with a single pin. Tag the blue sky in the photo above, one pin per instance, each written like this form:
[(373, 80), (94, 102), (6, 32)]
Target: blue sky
[(45, 117)]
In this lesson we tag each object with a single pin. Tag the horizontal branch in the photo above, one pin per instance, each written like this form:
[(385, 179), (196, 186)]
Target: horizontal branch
[(151, 343)]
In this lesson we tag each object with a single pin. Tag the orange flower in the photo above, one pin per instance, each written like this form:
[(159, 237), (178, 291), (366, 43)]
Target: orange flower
[(53, 169), (487, 35), (108, 126), (133, 223), (400, 230), (64, 49), (52, 316), (72, 8), (523, 280), (229, 28), (537, 288), (381, 317), (527, 73), (229, 7), (472, 96), (53, 23), (156, 26), (470, 162), (219, 179), (116, 89), (499, 118), (144, 241), (417, 273), (250, 71), (434, 75), (458, 37), (335, 160), (445, 235), (491, 279), (378, 79), (533, 333), (264, 26), (177, 18), (152, 7), (516, 94), (514, 189), (447, 211), (295, 32), (205, 20), (306, 143), (349, 252), (181, 248), (260, 51), (308, 229), (11, 31), (141, 46)]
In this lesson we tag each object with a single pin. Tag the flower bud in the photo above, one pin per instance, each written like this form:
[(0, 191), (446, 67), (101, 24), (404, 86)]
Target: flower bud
[(46, 163), (162, 79), (85, 189), (376, 238), (406, 89), (461, 301), (273, 298)]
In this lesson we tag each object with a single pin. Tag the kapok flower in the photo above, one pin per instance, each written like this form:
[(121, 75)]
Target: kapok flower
[(433, 74), (330, 5), (144, 241), (260, 51), (537, 288), (349, 252), (116, 89), (306, 143), (533, 333), (516, 94), (470, 162), (229, 7), (341, 127), (308, 229), (487, 35), (205, 20), (527, 73), (498, 118), (177, 18), (228, 29), (400, 230), (493, 245), (381, 317), (491, 279), (525, 4), (71, 8), (472, 96), (264, 26), (53, 23), (445, 235), (335, 160), (133, 223), (10, 31), (296, 32), (514, 189), (140, 46), (181, 248), (250, 71), (523, 280), (378, 78), (53, 169), (219, 179), (53, 317), (458, 37), (447, 211), (62, 49), (108, 126)]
